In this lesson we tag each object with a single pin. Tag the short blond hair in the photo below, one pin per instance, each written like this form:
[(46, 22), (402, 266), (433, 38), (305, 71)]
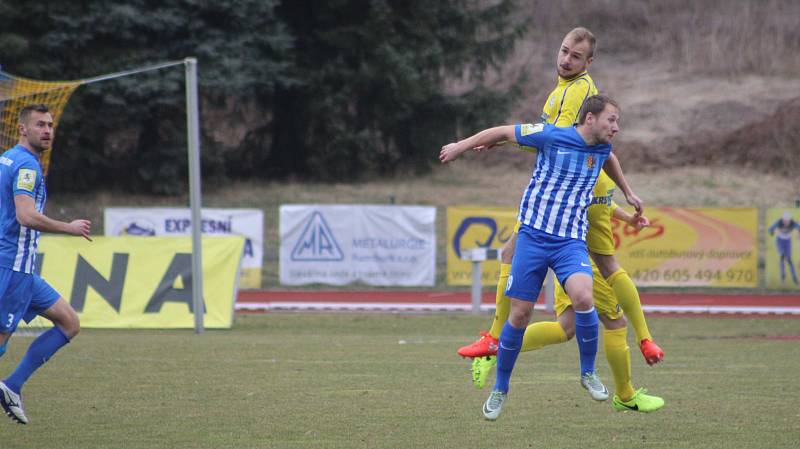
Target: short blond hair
[(581, 34)]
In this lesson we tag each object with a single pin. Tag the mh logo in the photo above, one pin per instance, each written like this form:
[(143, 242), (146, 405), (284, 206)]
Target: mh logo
[(317, 243)]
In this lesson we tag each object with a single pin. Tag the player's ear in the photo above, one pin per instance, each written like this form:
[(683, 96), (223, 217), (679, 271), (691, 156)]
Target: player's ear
[(22, 130), (589, 61)]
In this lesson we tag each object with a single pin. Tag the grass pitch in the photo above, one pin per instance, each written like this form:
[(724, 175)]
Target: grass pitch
[(336, 380)]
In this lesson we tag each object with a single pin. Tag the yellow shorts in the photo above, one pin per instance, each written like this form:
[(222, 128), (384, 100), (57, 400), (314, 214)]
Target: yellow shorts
[(604, 299)]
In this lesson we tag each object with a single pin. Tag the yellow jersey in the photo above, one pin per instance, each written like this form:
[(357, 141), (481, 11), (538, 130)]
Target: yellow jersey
[(599, 238), (564, 103)]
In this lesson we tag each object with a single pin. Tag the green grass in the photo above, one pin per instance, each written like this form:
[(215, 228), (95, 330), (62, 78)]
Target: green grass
[(314, 380)]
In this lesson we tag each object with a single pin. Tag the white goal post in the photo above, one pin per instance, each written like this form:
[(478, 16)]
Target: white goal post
[(193, 148)]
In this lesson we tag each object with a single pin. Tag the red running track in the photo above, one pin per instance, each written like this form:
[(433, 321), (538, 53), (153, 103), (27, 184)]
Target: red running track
[(421, 296), (670, 303)]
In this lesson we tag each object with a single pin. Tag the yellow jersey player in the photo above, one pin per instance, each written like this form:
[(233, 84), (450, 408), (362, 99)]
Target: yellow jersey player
[(562, 107)]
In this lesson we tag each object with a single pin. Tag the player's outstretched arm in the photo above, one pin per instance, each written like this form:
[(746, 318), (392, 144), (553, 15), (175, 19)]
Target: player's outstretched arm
[(485, 139), (636, 220), (28, 216), (614, 171)]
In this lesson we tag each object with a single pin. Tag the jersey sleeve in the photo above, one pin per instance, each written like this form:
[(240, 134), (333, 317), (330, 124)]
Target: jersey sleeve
[(532, 136), (26, 176), (574, 97)]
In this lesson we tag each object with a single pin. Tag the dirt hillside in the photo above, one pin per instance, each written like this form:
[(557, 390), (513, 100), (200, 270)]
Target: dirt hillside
[(679, 121), (707, 83)]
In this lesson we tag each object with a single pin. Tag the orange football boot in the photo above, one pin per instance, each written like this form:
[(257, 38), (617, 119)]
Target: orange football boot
[(651, 352), (484, 346)]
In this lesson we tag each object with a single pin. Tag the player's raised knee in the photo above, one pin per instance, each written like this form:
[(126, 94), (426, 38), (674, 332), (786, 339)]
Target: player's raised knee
[(520, 314), (74, 329), (582, 300), (66, 318), (71, 326)]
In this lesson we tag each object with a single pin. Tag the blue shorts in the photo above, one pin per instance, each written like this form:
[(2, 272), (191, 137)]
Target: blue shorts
[(22, 296), (784, 247), (535, 252)]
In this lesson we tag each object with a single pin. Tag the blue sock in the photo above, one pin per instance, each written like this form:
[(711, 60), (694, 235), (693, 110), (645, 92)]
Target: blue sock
[(507, 352), (586, 332), (39, 352)]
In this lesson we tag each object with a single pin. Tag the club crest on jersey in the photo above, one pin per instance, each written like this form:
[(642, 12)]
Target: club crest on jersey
[(528, 129), (590, 161), (26, 179)]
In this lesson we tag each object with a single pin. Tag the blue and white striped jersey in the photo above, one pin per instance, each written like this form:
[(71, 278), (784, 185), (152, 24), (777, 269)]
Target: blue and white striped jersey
[(560, 191), (20, 174)]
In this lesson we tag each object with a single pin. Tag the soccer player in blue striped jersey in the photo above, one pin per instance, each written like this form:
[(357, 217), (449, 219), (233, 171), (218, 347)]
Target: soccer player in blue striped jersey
[(23, 294), (575, 85), (553, 213)]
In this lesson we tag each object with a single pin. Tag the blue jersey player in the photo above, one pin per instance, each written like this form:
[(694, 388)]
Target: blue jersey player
[(23, 294), (553, 232), (783, 241)]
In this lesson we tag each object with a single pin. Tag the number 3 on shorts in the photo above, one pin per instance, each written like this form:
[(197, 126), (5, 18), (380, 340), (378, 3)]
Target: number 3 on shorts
[(10, 320)]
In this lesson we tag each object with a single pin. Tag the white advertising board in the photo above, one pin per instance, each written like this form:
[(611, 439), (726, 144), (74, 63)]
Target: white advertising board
[(342, 244), (163, 221)]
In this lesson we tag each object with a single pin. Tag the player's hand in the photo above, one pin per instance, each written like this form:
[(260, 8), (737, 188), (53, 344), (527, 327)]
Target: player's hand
[(449, 153), (635, 201), (80, 228), (639, 221)]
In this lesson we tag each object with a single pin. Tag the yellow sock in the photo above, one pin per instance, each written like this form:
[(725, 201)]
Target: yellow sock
[(615, 343), (502, 303), (628, 298), (541, 334)]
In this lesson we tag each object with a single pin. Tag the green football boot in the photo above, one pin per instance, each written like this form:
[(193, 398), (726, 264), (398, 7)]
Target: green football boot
[(481, 367), (640, 402)]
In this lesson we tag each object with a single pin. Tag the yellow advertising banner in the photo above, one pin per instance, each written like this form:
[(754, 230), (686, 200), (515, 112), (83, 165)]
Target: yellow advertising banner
[(470, 227), (685, 247), (250, 277), (142, 282), (782, 255)]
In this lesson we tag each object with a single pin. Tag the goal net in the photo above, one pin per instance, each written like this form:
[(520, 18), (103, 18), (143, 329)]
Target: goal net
[(17, 92)]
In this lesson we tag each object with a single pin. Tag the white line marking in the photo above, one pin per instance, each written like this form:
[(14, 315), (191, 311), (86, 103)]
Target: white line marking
[(265, 306)]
